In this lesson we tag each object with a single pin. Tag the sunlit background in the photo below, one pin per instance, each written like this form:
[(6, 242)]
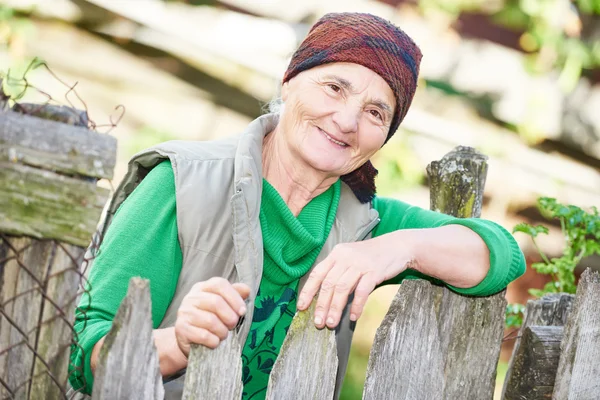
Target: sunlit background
[(518, 80)]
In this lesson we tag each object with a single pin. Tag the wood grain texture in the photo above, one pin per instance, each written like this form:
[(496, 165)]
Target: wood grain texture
[(215, 374), (535, 364), (434, 343), (128, 361), (31, 323), (578, 376), (551, 310), (55, 146), (307, 364), (406, 360), (55, 332), (457, 182), (44, 204)]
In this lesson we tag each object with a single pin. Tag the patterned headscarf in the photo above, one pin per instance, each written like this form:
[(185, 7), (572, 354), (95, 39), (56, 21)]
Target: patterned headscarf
[(374, 43)]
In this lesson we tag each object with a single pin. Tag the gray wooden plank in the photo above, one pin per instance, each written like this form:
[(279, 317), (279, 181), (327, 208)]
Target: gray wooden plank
[(21, 283), (215, 373), (551, 310), (535, 364), (578, 376), (55, 331), (406, 360), (471, 331), (56, 146), (307, 363), (128, 362), (44, 204)]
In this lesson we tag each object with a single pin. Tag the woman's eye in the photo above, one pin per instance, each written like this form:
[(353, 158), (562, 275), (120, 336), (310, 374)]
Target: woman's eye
[(335, 88), (376, 114)]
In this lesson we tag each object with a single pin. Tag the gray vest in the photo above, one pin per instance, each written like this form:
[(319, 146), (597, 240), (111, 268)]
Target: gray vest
[(218, 188)]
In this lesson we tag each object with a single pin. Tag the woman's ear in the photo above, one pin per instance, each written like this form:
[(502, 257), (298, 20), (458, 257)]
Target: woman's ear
[(284, 91)]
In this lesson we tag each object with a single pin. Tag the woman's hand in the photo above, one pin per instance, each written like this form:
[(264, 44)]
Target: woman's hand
[(353, 267), (208, 312)]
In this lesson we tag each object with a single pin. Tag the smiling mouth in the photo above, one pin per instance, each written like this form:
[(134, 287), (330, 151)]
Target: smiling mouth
[(332, 140)]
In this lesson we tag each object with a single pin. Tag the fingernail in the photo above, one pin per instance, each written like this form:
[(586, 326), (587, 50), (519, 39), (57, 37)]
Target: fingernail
[(330, 321), (352, 317), (300, 304), (318, 320), (242, 310)]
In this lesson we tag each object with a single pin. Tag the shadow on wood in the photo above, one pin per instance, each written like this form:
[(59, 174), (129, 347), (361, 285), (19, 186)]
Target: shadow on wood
[(551, 310), (534, 364)]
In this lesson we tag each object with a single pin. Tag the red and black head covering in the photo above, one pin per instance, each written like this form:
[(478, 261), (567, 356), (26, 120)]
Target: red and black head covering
[(374, 43)]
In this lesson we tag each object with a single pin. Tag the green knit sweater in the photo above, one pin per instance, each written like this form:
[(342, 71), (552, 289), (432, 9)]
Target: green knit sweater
[(142, 241)]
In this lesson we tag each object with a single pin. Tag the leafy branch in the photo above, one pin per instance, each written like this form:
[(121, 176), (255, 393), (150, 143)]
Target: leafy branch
[(581, 231)]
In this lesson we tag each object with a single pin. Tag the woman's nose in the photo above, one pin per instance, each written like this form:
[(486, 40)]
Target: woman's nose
[(346, 119)]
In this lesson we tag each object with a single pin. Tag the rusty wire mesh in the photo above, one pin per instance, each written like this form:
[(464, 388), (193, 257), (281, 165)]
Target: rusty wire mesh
[(42, 280)]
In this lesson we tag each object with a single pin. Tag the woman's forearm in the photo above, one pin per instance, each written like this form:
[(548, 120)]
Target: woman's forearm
[(171, 359), (454, 254)]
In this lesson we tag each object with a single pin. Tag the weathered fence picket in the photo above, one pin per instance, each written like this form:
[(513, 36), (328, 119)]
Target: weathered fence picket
[(532, 367), (307, 364), (217, 373), (434, 343), (128, 362), (578, 372), (49, 208), (534, 364)]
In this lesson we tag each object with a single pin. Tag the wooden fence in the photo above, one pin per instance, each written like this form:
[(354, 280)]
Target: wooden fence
[(432, 344), (49, 208)]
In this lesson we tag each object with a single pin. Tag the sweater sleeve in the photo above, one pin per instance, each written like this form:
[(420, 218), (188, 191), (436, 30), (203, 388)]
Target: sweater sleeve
[(141, 241), (507, 262)]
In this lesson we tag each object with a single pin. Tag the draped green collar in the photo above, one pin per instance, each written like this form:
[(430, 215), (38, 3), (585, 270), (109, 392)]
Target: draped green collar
[(293, 243)]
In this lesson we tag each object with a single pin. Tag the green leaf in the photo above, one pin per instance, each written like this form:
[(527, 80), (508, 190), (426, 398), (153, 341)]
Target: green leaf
[(530, 230), (514, 315)]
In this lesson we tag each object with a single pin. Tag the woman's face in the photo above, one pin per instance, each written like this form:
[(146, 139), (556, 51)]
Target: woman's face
[(336, 116)]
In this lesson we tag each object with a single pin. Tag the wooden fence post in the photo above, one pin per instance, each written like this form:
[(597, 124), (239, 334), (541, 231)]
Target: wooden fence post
[(523, 378), (307, 364), (579, 365), (128, 362), (49, 208), (434, 343), (534, 363)]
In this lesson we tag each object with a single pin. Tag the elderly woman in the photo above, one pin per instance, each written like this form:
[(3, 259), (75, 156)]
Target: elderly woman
[(259, 224)]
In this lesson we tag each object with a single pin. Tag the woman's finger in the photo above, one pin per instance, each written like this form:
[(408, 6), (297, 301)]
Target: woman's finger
[(217, 305), (326, 293), (242, 289), (344, 286), (209, 321), (199, 336), (365, 286), (313, 283), (223, 287)]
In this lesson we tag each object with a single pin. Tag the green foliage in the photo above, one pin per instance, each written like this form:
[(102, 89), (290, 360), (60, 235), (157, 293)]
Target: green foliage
[(555, 32), (398, 166), (581, 230), (146, 137), (514, 315)]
